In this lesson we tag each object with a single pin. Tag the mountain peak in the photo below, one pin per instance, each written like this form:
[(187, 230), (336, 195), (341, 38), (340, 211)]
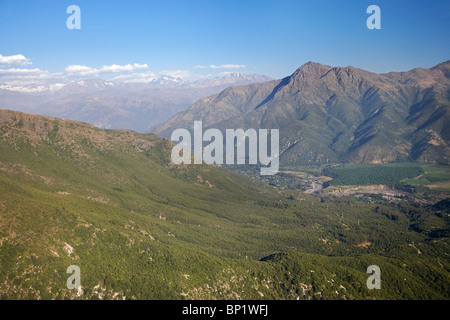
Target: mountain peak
[(445, 64), (84, 86), (333, 114), (311, 69), (311, 65), (444, 68)]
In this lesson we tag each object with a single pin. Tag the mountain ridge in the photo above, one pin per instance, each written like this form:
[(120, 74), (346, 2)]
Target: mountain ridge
[(338, 114)]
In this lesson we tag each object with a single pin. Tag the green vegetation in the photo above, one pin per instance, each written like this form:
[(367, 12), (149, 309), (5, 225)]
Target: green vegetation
[(367, 174), (435, 177), (141, 228), (431, 176)]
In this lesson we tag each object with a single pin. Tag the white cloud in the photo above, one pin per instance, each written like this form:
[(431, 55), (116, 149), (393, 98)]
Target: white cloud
[(227, 73), (142, 77), (78, 70), (128, 67), (223, 66), (18, 74), (182, 74), (14, 71), (28, 80), (17, 59), (149, 76), (129, 73)]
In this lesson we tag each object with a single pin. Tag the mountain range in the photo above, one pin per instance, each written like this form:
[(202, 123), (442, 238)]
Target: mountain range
[(338, 114), (117, 105)]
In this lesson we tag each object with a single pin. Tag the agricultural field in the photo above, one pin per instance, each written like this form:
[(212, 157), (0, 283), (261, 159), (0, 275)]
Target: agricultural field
[(435, 177)]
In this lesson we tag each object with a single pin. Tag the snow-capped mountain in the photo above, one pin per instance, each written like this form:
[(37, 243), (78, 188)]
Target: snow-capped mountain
[(114, 104), (231, 79)]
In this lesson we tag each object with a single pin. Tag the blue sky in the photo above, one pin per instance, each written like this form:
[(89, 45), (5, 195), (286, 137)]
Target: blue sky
[(176, 37)]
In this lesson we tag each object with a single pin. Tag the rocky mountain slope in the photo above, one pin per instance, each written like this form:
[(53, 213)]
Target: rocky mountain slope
[(335, 114)]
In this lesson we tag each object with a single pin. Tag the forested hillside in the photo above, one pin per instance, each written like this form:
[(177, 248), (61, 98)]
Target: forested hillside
[(140, 227)]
